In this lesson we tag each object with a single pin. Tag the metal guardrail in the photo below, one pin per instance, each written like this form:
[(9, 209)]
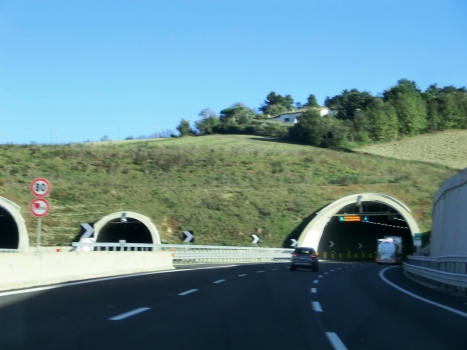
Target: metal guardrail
[(449, 270), (3, 250), (196, 253), (449, 278)]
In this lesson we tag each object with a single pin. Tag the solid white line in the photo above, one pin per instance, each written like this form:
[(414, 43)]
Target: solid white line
[(313, 290), (316, 306), (315, 281), (219, 281), (245, 274), (69, 284), (128, 314), (335, 341), (381, 274), (188, 292), (259, 271)]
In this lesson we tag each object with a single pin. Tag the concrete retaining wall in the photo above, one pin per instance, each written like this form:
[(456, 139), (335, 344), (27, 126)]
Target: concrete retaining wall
[(449, 228), (21, 270)]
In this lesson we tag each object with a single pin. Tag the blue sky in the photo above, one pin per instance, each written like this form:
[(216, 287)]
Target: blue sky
[(72, 70)]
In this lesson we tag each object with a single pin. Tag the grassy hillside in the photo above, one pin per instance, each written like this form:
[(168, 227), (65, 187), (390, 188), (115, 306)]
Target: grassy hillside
[(447, 148), (222, 187)]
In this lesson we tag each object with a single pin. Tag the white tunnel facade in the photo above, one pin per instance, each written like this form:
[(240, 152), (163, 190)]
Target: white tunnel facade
[(311, 235)]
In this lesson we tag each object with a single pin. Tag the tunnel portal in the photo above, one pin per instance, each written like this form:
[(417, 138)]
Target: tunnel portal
[(9, 233), (349, 227), (132, 231)]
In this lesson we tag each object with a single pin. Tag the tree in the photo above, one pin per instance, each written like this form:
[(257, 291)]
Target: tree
[(184, 128), (382, 123), (410, 107), (311, 101), (309, 129), (348, 103), (209, 121), (275, 102), (238, 114)]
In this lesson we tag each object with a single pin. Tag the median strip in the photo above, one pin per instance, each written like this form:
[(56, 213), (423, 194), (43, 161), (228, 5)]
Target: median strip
[(188, 292), (128, 314)]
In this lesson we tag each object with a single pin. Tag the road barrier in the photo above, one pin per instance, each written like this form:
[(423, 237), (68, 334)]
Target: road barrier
[(447, 272), (196, 254), (348, 255)]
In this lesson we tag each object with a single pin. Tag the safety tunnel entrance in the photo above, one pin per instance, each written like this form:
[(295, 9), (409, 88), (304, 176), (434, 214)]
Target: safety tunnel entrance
[(132, 231), (9, 233), (128, 226), (348, 229)]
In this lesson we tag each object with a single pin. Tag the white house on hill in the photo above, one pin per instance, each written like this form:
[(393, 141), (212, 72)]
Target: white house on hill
[(292, 116)]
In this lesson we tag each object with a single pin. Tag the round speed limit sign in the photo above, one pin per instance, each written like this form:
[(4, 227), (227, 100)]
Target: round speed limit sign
[(40, 187)]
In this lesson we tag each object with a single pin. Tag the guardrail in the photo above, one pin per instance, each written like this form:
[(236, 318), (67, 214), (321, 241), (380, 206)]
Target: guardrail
[(445, 271), (196, 253), (3, 250)]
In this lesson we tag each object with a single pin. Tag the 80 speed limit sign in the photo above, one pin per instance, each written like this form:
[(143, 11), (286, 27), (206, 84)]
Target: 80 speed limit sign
[(40, 187)]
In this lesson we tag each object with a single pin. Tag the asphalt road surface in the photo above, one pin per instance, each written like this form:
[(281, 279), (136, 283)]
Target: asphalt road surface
[(262, 306)]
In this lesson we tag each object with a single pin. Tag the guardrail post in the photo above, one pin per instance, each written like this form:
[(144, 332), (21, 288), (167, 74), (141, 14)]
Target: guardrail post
[(122, 244)]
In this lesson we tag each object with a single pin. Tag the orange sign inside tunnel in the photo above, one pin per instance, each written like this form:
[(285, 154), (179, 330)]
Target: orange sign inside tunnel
[(350, 218)]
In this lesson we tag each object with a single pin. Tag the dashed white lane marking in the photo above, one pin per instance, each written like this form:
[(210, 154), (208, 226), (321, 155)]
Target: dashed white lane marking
[(315, 281), (244, 274), (313, 290), (128, 314), (339, 268), (188, 292), (219, 281), (326, 273), (274, 269), (316, 306), (335, 341), (332, 270), (320, 276), (381, 274), (259, 271)]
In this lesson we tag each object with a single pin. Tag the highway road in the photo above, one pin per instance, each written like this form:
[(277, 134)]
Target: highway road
[(260, 306)]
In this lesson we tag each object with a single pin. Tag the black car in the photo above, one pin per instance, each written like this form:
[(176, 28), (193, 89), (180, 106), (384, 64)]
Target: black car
[(304, 257)]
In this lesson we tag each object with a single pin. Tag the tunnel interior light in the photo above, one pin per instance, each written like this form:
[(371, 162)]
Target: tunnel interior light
[(123, 218)]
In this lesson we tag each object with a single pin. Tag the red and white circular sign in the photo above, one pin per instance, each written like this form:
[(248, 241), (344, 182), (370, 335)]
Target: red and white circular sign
[(39, 207), (40, 187)]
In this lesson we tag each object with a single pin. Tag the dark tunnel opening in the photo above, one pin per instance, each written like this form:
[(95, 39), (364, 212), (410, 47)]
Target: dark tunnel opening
[(9, 234), (359, 238), (132, 231)]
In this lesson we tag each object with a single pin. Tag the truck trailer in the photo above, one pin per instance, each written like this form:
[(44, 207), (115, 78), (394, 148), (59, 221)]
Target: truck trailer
[(389, 250)]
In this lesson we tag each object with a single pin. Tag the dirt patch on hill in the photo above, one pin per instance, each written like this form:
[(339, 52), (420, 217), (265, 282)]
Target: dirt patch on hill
[(447, 148)]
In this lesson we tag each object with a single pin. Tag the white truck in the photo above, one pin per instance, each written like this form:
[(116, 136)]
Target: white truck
[(389, 250)]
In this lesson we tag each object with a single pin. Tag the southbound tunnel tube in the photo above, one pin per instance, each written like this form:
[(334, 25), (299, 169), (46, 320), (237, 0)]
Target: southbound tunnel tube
[(13, 231)]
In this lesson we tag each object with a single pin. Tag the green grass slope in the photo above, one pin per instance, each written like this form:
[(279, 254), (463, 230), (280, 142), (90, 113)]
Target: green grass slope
[(225, 188)]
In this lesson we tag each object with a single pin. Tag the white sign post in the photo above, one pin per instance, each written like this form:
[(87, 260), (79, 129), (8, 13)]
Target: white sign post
[(39, 206)]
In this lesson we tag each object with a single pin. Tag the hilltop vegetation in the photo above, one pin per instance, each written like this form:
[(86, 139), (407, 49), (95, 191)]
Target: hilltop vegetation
[(225, 188), (356, 117)]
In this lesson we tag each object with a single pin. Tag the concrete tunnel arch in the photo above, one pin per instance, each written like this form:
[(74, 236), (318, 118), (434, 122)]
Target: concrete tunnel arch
[(145, 223), (311, 235), (15, 236)]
